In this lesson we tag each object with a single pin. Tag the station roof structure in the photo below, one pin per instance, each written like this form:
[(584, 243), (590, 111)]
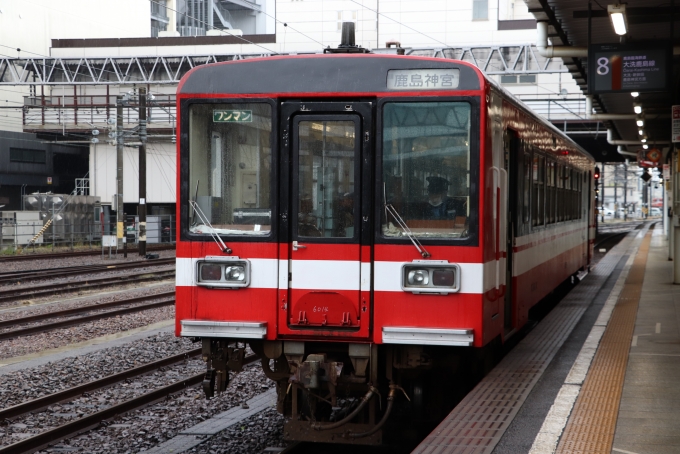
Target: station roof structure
[(568, 25)]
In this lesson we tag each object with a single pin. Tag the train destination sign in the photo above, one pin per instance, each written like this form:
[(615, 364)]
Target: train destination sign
[(641, 67), (232, 116), (423, 79)]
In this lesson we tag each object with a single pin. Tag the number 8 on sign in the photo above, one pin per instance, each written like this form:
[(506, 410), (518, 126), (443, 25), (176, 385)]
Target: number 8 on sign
[(602, 68)]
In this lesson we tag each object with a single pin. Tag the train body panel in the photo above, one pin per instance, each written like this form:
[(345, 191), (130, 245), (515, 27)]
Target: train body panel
[(335, 209)]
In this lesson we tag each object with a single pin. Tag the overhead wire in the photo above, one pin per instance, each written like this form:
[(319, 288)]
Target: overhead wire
[(400, 23)]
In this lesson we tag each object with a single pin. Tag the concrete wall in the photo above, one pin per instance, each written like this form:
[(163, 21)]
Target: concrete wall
[(161, 173), (31, 25)]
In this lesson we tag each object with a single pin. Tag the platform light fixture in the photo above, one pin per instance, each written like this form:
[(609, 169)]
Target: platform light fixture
[(645, 146), (640, 132), (637, 108), (640, 122), (634, 94), (617, 13)]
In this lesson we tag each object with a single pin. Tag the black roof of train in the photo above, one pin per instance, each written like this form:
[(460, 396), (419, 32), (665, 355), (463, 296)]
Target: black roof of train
[(317, 73)]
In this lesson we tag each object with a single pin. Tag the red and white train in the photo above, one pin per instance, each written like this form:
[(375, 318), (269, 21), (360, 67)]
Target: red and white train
[(358, 218)]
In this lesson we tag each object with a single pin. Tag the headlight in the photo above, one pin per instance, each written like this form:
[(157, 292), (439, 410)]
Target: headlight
[(429, 276), (223, 272), (210, 272), (235, 273), (418, 277)]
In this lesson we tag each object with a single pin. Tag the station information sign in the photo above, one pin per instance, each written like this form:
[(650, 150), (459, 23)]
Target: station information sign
[(641, 67), (675, 123)]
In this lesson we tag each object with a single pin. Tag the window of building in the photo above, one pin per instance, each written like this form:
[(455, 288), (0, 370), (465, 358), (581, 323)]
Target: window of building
[(480, 9), (27, 155), (518, 79)]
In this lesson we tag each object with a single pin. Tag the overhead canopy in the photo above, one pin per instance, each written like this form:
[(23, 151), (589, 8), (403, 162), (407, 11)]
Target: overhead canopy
[(568, 26)]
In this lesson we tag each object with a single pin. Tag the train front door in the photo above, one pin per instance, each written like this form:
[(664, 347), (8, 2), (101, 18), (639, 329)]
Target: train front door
[(325, 154)]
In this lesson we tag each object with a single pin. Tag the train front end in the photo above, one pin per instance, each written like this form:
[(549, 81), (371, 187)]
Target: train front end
[(330, 209)]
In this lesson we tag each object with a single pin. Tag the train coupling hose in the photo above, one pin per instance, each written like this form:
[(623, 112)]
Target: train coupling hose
[(390, 403), (364, 400)]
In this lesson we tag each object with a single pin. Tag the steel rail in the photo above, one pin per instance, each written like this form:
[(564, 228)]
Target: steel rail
[(51, 399), (77, 310), (59, 255), (94, 420), (51, 273), (85, 318), (609, 238), (66, 287)]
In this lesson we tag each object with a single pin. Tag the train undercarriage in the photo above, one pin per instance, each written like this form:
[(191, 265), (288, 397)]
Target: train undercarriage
[(347, 392)]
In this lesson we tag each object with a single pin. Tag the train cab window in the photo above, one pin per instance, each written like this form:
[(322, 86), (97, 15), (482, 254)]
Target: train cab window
[(426, 169), (230, 160)]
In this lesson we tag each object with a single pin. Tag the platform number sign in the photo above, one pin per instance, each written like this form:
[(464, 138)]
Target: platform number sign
[(641, 67), (232, 116)]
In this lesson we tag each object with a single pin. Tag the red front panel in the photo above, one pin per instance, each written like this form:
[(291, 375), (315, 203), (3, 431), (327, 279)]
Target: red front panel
[(255, 303)]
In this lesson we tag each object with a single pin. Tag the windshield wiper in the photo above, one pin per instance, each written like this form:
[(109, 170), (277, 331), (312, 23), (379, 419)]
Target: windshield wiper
[(204, 219), (193, 216), (404, 228)]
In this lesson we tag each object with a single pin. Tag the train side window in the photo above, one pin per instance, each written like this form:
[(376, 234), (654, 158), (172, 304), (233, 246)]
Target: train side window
[(559, 198), (538, 195), (550, 192), (581, 176), (573, 203), (526, 197)]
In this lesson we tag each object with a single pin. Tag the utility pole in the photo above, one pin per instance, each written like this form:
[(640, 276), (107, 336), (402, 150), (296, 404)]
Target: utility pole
[(119, 170), (142, 172)]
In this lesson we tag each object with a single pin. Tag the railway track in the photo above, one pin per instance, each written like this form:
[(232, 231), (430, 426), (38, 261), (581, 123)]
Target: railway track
[(58, 255), (37, 291), (618, 226), (51, 273), (94, 420), (166, 299)]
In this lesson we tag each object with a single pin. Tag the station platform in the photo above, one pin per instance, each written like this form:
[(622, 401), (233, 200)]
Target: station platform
[(599, 374)]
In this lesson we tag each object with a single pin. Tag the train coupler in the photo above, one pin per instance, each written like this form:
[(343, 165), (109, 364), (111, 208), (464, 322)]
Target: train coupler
[(209, 384)]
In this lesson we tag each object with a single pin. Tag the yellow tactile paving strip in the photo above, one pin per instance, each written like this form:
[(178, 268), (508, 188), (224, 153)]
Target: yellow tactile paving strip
[(592, 423)]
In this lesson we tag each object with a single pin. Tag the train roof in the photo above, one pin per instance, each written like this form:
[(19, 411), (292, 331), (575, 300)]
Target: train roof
[(333, 74), (315, 73), (548, 125)]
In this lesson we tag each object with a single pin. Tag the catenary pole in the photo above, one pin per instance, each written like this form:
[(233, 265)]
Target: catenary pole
[(119, 170), (142, 172)]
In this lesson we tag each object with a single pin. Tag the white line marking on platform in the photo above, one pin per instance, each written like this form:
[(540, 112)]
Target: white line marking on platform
[(658, 328), (635, 339), (623, 451), (654, 354)]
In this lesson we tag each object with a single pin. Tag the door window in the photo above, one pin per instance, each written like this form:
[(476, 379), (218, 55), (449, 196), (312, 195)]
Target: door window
[(326, 177)]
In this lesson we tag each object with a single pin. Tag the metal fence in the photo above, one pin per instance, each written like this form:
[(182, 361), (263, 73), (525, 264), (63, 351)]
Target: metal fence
[(15, 236)]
